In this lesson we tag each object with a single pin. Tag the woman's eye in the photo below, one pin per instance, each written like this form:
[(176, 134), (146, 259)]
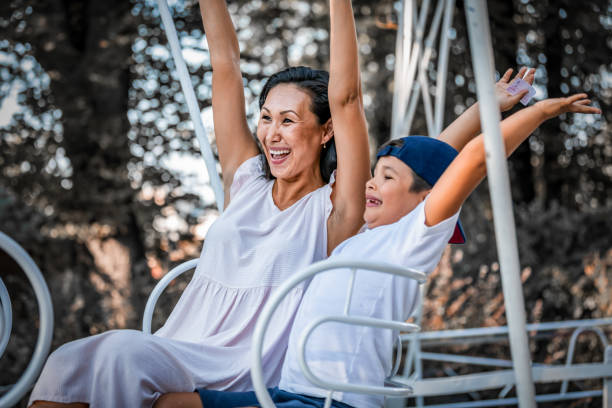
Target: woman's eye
[(265, 117), (287, 120)]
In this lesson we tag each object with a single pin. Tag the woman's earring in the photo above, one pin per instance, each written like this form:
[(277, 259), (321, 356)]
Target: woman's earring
[(324, 145)]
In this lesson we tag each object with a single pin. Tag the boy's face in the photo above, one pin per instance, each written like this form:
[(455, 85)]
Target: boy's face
[(388, 195)]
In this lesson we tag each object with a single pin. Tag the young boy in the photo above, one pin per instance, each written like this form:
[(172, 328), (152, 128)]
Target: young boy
[(412, 209)]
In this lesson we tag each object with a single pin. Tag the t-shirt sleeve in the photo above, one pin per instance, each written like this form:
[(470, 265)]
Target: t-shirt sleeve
[(250, 170), (419, 245)]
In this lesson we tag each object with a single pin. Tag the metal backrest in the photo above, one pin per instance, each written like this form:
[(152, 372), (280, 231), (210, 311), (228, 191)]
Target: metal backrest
[(293, 281), (45, 310)]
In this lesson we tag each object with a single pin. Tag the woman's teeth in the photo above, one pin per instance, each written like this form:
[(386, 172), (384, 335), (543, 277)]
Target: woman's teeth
[(279, 154)]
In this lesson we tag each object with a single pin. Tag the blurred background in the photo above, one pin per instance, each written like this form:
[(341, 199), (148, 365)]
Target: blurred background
[(101, 180)]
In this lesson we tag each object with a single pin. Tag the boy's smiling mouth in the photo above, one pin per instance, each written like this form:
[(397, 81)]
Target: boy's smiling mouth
[(372, 201)]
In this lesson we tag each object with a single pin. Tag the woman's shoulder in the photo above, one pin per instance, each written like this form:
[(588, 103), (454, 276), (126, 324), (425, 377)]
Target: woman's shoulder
[(250, 170)]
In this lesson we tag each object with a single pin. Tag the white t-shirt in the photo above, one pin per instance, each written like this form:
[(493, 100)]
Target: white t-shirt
[(356, 354)]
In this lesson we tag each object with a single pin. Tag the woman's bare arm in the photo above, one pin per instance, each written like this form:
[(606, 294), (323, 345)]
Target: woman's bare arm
[(234, 140), (469, 167), (349, 125)]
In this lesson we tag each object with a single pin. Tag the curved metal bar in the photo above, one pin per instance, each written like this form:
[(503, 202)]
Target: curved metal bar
[(422, 74), (345, 387), (45, 310), (499, 188), (398, 356), (572, 348), (159, 288), (6, 317), (266, 314), (192, 102), (443, 66)]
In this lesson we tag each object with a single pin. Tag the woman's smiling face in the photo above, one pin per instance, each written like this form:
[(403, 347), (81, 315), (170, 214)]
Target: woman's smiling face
[(290, 133)]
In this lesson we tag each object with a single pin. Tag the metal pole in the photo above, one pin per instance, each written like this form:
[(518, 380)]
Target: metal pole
[(443, 66), (192, 102), (499, 186)]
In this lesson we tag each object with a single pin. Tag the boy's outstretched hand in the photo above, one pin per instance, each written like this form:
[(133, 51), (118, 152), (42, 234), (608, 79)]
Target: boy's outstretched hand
[(577, 103), (506, 99)]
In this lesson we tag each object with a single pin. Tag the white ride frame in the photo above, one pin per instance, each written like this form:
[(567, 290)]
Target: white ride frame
[(13, 393)]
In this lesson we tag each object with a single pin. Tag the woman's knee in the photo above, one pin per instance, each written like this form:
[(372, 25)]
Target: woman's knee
[(179, 400)]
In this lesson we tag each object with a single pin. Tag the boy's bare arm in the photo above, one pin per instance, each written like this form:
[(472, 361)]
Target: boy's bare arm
[(469, 167), (467, 125)]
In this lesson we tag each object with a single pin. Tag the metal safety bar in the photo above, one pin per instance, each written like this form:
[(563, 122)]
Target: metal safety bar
[(276, 298), (45, 311), (192, 102), (159, 288), (499, 188)]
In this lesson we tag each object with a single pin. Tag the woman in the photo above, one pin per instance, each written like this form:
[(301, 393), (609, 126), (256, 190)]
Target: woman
[(272, 227)]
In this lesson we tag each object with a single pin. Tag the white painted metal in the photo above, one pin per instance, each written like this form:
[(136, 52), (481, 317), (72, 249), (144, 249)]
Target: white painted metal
[(424, 64), (268, 310), (412, 88), (504, 402), (572, 348), (475, 382), (443, 66), (499, 186), (159, 288), (403, 44), (503, 330), (347, 387), (192, 102), (45, 311), (6, 317), (607, 385)]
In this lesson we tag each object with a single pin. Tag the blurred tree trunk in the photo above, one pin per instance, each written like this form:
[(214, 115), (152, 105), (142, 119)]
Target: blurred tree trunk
[(85, 48)]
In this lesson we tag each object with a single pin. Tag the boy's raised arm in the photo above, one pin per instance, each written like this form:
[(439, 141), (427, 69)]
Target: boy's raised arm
[(349, 125), (234, 140), (467, 125), (469, 167)]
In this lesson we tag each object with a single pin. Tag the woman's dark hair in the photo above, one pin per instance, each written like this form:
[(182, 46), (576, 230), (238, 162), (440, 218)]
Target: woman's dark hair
[(418, 183), (315, 82)]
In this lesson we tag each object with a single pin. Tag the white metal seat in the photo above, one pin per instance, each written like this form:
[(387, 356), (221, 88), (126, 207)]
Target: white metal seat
[(159, 288), (306, 274), (45, 309)]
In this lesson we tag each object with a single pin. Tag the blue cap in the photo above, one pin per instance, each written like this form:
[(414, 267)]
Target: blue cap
[(427, 157)]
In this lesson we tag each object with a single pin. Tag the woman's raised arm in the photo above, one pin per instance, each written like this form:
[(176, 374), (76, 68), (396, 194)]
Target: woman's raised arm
[(349, 124), (234, 140)]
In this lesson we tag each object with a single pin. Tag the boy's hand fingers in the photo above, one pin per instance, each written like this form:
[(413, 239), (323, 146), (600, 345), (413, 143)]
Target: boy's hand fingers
[(530, 77), (576, 97), (506, 77), (521, 72)]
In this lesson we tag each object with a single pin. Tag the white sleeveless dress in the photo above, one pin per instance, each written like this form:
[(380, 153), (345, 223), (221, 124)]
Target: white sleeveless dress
[(206, 341)]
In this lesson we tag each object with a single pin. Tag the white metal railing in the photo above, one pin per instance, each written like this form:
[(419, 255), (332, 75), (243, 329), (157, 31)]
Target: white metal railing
[(471, 384), (276, 298), (159, 288), (192, 102), (45, 310)]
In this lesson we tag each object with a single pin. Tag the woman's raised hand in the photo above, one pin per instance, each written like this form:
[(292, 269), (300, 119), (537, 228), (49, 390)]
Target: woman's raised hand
[(506, 99), (577, 103)]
